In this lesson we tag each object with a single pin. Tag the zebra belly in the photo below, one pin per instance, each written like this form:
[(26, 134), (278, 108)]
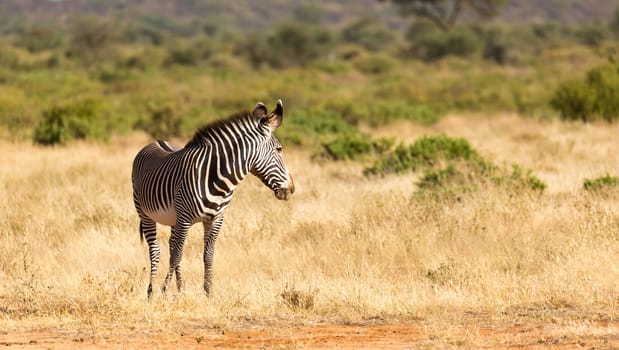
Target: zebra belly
[(164, 216)]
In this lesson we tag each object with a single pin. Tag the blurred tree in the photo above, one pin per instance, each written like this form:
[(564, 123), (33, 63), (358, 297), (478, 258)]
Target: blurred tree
[(429, 43), (141, 32), (91, 36), (370, 33), (256, 48), (298, 44), (444, 13), (614, 22), (592, 34), (309, 13), (38, 38)]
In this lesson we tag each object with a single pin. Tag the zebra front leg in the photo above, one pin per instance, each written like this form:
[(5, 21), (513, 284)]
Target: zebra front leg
[(211, 229), (177, 240), (148, 231)]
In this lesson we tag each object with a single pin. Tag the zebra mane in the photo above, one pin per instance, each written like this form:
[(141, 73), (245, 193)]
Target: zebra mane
[(203, 133)]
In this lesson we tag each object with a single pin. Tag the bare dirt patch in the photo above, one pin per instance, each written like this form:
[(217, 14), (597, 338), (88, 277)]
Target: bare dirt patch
[(568, 336)]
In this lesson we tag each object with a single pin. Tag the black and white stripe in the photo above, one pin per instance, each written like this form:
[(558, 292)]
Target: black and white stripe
[(181, 186)]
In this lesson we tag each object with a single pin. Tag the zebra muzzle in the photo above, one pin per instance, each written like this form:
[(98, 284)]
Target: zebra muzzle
[(285, 192), (282, 193)]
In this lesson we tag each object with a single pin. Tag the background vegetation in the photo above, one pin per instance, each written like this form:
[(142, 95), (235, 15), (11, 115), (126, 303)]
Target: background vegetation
[(113, 67)]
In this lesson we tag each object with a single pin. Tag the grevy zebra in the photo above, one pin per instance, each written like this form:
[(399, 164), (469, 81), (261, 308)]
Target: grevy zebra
[(181, 186)]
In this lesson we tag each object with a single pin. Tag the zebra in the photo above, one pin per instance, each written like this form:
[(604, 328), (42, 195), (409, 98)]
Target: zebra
[(179, 187)]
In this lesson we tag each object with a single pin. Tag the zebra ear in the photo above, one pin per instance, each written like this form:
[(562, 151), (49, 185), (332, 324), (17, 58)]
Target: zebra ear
[(260, 111), (274, 120)]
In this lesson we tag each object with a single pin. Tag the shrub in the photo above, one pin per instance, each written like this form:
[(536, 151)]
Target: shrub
[(142, 33), (520, 179), (597, 97), (291, 44), (374, 63), (82, 120), (314, 127), (431, 44), (465, 169), (164, 121), (109, 73), (255, 49), (356, 147), (189, 54), (91, 38), (574, 101), (369, 33), (39, 38), (385, 112), (438, 178), (601, 183), (426, 152), (298, 44), (495, 46), (592, 34), (223, 61)]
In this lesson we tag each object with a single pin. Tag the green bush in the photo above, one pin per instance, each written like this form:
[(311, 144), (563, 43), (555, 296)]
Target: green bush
[(369, 33), (189, 54), (381, 113), (496, 46), (520, 179), (291, 44), (313, 127), (82, 120), (356, 147), (601, 183), (596, 97), (164, 121), (298, 44), (142, 33), (91, 38), (574, 101), (374, 63), (450, 164), (426, 152), (109, 73), (466, 175), (438, 178), (39, 38), (592, 34), (431, 44)]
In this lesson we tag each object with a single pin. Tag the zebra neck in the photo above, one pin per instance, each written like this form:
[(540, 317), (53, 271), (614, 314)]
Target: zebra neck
[(229, 149)]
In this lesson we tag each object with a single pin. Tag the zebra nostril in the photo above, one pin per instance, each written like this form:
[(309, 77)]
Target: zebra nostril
[(280, 193)]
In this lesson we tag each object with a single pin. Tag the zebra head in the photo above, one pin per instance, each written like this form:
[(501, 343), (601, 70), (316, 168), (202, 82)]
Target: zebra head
[(269, 166)]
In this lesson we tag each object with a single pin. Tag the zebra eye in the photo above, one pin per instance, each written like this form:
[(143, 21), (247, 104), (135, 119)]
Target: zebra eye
[(278, 149)]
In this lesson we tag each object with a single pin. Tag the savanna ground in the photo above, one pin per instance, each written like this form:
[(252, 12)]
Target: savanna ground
[(350, 261)]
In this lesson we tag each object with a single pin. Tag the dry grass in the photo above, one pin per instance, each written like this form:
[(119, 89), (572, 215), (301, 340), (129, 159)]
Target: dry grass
[(343, 249)]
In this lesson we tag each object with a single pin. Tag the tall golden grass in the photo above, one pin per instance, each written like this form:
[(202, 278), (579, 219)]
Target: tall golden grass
[(345, 248)]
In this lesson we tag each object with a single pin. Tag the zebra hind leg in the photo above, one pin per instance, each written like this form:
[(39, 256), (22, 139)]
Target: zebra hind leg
[(177, 240), (211, 229), (148, 230)]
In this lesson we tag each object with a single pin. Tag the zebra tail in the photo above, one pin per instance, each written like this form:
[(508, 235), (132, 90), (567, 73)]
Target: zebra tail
[(141, 232)]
